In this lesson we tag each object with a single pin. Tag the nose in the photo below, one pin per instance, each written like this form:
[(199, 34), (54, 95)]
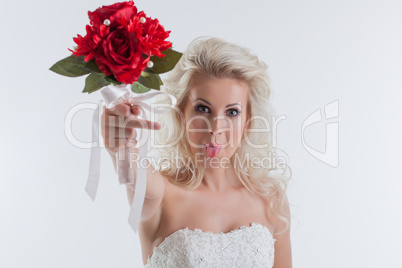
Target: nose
[(217, 125), (215, 132)]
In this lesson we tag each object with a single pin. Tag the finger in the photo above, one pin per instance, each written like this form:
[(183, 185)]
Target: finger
[(131, 122), (122, 109), (131, 142), (140, 123), (121, 133), (135, 110)]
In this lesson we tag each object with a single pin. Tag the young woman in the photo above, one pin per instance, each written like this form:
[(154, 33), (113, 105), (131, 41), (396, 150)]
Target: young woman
[(212, 201)]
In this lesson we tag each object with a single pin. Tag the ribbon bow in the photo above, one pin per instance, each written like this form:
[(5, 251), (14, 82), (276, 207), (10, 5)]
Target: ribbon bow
[(114, 95)]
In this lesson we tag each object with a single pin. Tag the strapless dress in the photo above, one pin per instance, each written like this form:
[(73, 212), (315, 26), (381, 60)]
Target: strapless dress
[(248, 246)]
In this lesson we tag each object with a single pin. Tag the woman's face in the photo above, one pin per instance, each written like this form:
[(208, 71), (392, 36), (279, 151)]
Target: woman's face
[(215, 116)]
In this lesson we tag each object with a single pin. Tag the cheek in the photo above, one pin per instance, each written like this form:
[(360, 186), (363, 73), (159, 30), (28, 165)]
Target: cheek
[(192, 120), (196, 129), (197, 123), (239, 128)]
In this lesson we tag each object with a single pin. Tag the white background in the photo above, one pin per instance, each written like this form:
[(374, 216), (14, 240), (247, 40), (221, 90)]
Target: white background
[(317, 51)]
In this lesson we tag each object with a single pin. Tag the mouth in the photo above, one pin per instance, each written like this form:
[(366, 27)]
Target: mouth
[(213, 149)]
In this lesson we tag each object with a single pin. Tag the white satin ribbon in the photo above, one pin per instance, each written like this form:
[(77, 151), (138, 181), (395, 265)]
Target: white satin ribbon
[(114, 95)]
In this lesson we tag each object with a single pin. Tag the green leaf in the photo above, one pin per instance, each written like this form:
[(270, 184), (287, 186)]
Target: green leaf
[(138, 88), (71, 66), (150, 80), (112, 80), (92, 66), (95, 81), (164, 64)]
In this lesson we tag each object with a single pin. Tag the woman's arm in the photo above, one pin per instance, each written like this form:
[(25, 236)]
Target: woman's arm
[(155, 189)]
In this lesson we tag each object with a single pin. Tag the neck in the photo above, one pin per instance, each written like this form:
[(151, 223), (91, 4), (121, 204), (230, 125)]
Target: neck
[(220, 179)]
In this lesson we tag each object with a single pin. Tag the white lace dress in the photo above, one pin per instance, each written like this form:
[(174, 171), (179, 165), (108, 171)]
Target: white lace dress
[(248, 246)]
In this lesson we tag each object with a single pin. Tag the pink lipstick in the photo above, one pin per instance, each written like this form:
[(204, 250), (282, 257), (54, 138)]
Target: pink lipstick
[(213, 149)]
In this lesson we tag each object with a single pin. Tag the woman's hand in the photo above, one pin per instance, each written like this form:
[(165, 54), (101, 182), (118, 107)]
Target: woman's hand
[(118, 126)]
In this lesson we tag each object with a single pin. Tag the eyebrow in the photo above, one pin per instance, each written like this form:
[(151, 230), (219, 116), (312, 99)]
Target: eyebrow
[(211, 104)]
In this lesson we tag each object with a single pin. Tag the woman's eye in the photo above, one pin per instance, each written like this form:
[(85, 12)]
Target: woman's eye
[(234, 112), (202, 109)]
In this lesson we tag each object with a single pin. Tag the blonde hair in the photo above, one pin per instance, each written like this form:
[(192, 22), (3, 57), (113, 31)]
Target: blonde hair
[(213, 57)]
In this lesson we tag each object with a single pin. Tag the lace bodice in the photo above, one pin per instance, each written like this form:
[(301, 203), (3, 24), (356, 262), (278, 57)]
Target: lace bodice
[(248, 246)]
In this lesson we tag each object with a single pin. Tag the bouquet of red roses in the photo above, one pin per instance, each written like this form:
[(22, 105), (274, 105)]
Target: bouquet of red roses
[(124, 51), (122, 45)]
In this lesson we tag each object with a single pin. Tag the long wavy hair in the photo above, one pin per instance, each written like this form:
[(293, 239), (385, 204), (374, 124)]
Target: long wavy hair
[(213, 57)]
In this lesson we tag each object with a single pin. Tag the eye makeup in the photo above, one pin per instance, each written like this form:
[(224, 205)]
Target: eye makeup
[(201, 109)]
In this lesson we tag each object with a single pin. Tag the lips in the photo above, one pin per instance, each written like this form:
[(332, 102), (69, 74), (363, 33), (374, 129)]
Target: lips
[(213, 149)]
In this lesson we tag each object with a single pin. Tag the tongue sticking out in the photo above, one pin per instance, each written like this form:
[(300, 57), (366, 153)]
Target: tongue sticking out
[(213, 151)]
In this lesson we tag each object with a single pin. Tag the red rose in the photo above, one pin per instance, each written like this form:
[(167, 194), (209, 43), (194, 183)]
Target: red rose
[(120, 53), (113, 13)]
